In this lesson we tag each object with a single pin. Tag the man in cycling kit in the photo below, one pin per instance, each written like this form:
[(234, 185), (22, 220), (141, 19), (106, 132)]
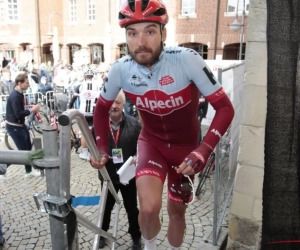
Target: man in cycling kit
[(88, 93), (164, 84)]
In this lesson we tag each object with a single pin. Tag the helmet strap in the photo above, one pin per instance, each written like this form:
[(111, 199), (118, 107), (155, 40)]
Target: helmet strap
[(161, 33)]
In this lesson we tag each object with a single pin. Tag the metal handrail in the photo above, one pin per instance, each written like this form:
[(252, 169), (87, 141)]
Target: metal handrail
[(65, 119)]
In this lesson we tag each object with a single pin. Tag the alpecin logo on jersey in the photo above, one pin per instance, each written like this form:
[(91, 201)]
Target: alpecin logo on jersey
[(165, 80), (158, 102)]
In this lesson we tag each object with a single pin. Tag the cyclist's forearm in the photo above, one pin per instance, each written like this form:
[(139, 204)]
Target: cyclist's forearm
[(220, 123), (101, 124)]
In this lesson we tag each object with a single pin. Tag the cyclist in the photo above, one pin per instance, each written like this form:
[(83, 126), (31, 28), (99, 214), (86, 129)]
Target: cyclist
[(88, 93), (164, 84)]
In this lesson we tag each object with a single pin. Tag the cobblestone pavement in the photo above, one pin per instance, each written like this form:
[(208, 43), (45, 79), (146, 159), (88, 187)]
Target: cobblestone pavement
[(25, 228)]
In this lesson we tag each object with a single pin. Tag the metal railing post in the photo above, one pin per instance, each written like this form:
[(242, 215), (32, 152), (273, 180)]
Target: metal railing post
[(216, 183), (57, 229)]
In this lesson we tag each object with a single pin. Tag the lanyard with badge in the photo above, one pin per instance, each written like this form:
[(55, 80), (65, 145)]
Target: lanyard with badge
[(117, 154)]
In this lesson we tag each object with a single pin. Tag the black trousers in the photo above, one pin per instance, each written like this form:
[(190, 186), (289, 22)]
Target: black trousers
[(21, 138), (129, 195)]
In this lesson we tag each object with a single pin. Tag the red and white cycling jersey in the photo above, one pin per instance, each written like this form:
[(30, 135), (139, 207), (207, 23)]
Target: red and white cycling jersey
[(167, 96)]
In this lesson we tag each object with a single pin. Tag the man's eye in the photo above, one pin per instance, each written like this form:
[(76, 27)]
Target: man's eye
[(150, 32), (131, 34)]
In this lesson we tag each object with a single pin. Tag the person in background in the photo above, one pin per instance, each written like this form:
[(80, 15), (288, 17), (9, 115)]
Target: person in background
[(15, 119), (50, 70), (6, 87), (88, 93), (122, 141)]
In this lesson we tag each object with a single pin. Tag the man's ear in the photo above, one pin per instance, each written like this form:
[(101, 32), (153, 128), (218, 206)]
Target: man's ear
[(164, 34)]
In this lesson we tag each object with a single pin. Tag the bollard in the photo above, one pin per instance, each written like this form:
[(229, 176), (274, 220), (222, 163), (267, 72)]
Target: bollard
[(52, 183)]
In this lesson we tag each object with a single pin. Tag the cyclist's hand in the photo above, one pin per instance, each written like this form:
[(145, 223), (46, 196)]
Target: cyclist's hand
[(134, 160), (195, 161), (36, 107), (185, 169), (98, 164)]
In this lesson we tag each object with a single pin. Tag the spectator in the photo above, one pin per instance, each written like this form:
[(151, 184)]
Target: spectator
[(50, 70), (4, 63), (15, 118), (124, 133)]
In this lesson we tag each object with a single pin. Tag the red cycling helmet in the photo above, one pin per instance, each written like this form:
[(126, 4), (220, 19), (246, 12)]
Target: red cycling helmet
[(136, 11)]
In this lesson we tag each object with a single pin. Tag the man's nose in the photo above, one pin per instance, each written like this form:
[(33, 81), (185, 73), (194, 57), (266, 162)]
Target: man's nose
[(142, 40)]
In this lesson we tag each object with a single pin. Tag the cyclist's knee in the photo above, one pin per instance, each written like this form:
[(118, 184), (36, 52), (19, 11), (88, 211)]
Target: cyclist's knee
[(150, 210), (176, 211)]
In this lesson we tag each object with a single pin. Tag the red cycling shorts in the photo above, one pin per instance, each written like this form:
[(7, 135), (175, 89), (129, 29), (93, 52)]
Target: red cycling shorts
[(155, 159)]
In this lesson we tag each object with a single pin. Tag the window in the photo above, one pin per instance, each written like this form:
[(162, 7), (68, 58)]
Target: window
[(199, 48), (97, 53), (123, 50), (188, 7), (10, 54), (72, 11), (233, 4), (2, 15), (91, 10), (12, 11)]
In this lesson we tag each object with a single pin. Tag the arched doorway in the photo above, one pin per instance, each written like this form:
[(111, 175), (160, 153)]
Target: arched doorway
[(200, 48), (123, 49), (232, 51), (47, 54), (96, 53), (72, 49)]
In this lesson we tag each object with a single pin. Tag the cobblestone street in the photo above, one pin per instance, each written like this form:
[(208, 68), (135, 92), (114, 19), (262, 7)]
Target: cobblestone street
[(25, 228)]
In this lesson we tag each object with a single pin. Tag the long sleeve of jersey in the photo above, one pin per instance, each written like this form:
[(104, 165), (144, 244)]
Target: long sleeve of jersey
[(101, 124), (208, 85), (101, 113)]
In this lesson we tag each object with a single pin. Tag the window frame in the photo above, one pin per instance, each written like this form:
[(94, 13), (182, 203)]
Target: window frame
[(9, 54), (240, 8), (99, 49), (2, 14), (190, 2), (91, 3), (72, 12), (11, 3)]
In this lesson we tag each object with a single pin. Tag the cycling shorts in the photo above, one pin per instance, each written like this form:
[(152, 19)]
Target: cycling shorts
[(90, 121), (155, 159)]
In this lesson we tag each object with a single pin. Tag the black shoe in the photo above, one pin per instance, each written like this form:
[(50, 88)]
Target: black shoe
[(102, 242), (2, 243), (136, 245)]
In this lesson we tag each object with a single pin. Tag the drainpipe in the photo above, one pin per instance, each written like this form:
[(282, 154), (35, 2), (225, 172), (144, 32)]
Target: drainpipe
[(39, 31), (216, 29)]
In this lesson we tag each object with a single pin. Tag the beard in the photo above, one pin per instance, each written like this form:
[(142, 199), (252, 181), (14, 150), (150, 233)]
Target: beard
[(146, 59)]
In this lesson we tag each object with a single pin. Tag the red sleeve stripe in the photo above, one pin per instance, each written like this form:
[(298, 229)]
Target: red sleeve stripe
[(216, 96)]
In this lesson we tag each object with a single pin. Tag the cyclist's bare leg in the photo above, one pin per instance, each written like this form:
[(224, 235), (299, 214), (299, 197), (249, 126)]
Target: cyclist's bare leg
[(176, 226), (83, 142), (150, 190)]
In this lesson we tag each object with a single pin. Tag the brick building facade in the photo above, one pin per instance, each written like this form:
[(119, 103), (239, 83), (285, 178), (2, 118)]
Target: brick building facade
[(89, 29)]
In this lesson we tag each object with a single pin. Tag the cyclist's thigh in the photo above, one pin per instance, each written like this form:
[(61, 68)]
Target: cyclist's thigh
[(90, 121), (150, 161), (151, 173), (175, 157)]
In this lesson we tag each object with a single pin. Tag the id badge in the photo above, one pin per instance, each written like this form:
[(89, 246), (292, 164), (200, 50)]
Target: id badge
[(117, 155)]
